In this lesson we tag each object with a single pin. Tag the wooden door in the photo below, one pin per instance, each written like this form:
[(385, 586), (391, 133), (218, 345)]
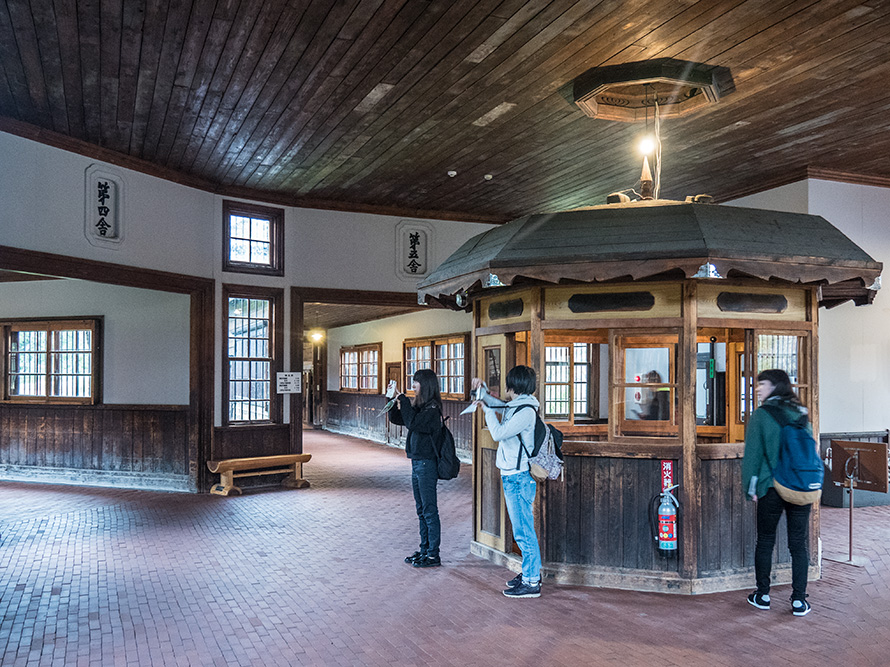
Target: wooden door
[(490, 511), (736, 391)]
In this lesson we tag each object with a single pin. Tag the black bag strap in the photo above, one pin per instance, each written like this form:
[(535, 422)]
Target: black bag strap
[(519, 435), (437, 442)]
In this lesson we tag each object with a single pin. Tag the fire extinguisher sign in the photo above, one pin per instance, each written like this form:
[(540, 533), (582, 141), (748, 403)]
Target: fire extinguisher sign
[(667, 474)]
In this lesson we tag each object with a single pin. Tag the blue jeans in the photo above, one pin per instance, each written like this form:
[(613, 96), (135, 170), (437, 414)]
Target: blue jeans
[(519, 495), (769, 511), (424, 476)]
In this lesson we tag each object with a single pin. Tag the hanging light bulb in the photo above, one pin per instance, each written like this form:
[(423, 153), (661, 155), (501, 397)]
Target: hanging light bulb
[(647, 145)]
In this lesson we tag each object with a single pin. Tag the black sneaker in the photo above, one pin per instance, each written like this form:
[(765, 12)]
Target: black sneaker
[(758, 600), (524, 590), (800, 607), (413, 557), (428, 561), (515, 581)]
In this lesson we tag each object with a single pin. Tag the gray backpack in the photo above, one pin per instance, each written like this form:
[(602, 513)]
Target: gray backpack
[(545, 459)]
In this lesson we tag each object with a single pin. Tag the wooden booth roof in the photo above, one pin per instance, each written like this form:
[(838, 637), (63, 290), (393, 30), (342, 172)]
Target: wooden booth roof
[(638, 240), (367, 105)]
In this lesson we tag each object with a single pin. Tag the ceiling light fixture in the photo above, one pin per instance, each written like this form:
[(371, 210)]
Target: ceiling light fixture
[(626, 92)]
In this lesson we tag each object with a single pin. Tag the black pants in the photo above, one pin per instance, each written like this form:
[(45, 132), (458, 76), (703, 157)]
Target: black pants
[(769, 511), (424, 477)]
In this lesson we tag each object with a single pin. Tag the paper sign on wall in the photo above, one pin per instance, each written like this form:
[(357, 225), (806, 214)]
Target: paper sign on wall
[(289, 383)]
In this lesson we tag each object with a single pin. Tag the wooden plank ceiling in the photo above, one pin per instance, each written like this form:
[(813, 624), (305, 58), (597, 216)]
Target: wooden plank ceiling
[(368, 104)]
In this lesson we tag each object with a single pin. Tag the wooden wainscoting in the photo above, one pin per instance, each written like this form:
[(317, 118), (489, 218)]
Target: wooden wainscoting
[(144, 446), (359, 415)]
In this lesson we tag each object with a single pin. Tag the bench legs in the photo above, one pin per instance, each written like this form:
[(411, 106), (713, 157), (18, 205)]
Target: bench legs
[(295, 479), (226, 485)]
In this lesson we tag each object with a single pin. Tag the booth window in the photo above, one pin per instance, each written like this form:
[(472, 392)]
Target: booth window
[(52, 361), (786, 352), (253, 239), (253, 353), (645, 385), (446, 355), (575, 380), (360, 368), (723, 393)]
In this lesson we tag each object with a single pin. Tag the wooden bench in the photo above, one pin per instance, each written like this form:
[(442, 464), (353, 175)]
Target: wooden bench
[(229, 469)]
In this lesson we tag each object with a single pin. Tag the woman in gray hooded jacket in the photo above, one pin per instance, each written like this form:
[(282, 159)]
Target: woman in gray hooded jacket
[(515, 434)]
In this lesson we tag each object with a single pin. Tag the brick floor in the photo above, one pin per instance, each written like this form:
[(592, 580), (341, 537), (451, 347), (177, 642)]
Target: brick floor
[(315, 577)]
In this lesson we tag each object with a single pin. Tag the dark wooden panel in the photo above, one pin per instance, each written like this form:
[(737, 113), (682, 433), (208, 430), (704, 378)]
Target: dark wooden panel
[(235, 442), (490, 479), (728, 522), (150, 439), (599, 516)]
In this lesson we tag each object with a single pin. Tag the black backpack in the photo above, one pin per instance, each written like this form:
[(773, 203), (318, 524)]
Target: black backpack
[(447, 463), (541, 430)]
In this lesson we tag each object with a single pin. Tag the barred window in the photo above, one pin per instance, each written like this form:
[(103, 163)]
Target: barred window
[(253, 353), (53, 361), (575, 377)]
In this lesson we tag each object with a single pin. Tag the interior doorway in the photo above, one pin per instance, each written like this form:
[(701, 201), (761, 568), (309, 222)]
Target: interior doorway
[(315, 311)]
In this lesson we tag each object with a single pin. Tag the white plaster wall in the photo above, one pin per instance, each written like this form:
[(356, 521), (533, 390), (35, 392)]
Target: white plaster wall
[(42, 189), (391, 332), (170, 227), (854, 342), (791, 198), (145, 335)]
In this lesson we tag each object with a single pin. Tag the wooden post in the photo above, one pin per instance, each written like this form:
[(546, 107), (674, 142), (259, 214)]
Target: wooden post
[(813, 381), (690, 482), (296, 364)]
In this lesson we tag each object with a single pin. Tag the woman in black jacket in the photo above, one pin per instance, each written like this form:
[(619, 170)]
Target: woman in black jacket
[(423, 417)]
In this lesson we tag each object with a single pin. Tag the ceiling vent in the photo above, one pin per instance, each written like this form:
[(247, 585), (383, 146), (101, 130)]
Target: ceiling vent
[(630, 91)]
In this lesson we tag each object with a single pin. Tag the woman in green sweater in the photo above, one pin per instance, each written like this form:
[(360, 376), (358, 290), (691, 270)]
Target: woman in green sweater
[(762, 438)]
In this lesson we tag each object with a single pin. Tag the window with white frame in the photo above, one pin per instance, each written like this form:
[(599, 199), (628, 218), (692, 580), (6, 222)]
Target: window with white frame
[(446, 355), (51, 361), (360, 368)]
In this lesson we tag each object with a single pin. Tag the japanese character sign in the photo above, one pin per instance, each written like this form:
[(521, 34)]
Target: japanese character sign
[(102, 213), (412, 249)]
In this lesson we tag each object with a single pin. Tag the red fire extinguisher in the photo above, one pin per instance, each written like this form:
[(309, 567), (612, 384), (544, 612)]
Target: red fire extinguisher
[(663, 510), (667, 520)]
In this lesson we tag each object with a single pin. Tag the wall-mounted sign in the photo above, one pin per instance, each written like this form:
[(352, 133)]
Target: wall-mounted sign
[(667, 475), (103, 222), (289, 383), (413, 249)]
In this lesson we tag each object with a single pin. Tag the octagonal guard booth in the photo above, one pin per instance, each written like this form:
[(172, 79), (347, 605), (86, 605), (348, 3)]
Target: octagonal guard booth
[(647, 324)]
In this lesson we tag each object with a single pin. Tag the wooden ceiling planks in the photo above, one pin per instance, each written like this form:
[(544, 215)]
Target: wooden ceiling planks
[(445, 58), (423, 65), (368, 103), (330, 44)]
